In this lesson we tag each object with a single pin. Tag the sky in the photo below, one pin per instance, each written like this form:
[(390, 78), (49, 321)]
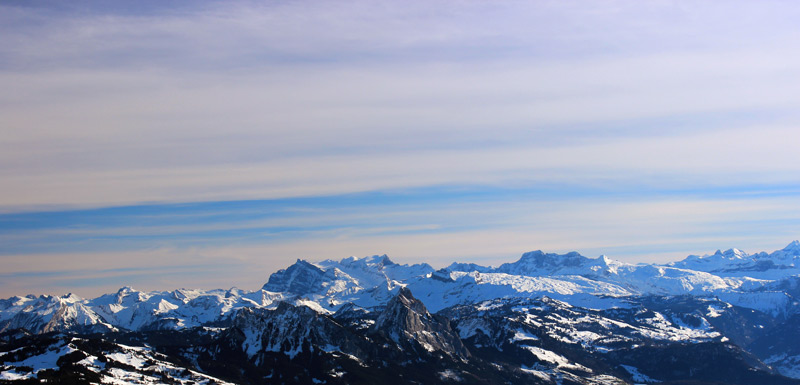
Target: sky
[(168, 144)]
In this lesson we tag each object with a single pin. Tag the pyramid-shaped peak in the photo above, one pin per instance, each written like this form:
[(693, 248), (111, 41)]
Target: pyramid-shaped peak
[(406, 299), (794, 246), (405, 293), (406, 321), (605, 260), (300, 278)]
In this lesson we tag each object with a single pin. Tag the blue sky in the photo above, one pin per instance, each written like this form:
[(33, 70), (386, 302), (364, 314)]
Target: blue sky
[(208, 144)]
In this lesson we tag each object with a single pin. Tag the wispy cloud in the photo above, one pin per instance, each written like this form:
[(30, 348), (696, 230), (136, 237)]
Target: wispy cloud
[(437, 226), (626, 126)]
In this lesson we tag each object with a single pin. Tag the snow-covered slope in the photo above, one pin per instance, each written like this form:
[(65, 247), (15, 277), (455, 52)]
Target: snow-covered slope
[(128, 309), (366, 282), (49, 313), (737, 263), (545, 318), (507, 340), (593, 282), (65, 359), (765, 282)]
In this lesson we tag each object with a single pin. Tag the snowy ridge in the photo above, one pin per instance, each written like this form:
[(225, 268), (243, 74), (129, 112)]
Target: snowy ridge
[(594, 282), (90, 362), (737, 263), (765, 282), (546, 318), (128, 309)]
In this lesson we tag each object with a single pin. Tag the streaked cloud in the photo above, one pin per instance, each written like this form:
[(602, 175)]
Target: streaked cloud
[(144, 133), (147, 245)]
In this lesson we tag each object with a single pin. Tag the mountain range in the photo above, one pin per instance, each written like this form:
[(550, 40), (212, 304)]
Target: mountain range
[(728, 317)]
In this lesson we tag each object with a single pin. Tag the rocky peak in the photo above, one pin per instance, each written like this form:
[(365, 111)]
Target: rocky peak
[(285, 319), (408, 323), (407, 299), (291, 330)]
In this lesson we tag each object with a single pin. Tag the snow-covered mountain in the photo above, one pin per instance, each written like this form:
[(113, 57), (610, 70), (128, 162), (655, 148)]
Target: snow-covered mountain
[(737, 263), (556, 311), (127, 309), (764, 282), (74, 360)]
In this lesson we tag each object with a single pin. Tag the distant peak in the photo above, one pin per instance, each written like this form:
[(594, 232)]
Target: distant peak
[(125, 290), (468, 267), (532, 254), (304, 265), (538, 263), (386, 261), (734, 253), (70, 297), (374, 260), (793, 246), (302, 262), (382, 260), (298, 278), (539, 258)]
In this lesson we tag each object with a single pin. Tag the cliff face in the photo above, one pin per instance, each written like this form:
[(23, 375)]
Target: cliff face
[(408, 323)]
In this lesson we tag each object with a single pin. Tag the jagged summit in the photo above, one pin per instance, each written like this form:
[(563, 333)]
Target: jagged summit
[(407, 322), (407, 299), (403, 300)]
